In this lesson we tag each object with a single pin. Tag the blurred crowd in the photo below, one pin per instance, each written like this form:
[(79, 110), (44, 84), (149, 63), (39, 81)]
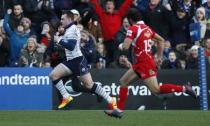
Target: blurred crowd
[(27, 29)]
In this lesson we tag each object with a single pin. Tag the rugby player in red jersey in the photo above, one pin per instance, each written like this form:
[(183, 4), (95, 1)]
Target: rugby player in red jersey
[(141, 36)]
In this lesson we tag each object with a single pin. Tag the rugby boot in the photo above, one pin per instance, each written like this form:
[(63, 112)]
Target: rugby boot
[(112, 105), (190, 91), (117, 113), (65, 101)]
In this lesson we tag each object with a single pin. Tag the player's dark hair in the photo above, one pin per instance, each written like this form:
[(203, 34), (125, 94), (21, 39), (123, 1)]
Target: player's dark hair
[(17, 4), (134, 14), (110, 1), (68, 13)]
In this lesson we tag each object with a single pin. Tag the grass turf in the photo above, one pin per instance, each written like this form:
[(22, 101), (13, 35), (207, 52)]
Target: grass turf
[(98, 118)]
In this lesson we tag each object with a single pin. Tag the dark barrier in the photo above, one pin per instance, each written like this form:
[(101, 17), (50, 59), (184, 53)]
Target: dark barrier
[(139, 96)]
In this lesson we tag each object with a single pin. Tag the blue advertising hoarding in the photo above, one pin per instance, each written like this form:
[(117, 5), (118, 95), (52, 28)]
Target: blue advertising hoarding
[(25, 89)]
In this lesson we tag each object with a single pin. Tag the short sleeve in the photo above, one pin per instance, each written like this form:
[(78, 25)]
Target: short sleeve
[(131, 32)]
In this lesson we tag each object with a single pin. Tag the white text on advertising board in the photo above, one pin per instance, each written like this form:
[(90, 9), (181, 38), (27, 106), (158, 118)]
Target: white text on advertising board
[(19, 79)]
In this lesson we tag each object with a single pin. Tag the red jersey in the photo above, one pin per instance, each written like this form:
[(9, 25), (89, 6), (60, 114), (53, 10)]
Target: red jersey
[(142, 36)]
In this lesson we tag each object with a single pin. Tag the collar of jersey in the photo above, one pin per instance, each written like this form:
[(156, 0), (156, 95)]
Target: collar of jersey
[(68, 26), (140, 22)]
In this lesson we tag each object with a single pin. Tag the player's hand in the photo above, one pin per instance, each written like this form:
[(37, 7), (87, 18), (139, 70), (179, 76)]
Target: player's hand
[(120, 47), (56, 39), (158, 61)]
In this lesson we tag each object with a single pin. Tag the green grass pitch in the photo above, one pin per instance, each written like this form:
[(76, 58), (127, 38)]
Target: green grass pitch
[(98, 118)]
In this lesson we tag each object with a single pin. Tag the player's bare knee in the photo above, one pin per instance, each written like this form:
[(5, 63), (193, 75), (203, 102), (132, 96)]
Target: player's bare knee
[(53, 76), (123, 82), (88, 86), (155, 90)]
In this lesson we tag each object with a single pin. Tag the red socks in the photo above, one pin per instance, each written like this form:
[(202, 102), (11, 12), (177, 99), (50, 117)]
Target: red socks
[(164, 89), (122, 97), (169, 88)]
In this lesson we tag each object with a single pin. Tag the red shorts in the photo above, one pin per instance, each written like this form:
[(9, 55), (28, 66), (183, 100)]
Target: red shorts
[(145, 69)]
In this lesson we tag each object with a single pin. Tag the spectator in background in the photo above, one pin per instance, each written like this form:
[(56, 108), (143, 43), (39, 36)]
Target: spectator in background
[(46, 34), (207, 47), (16, 16), (10, 3), (207, 34), (110, 21), (189, 6), (123, 61), (88, 47), (16, 39), (62, 5), (3, 8), (55, 53), (4, 47), (179, 25), (26, 22), (121, 34), (172, 62), (192, 58), (141, 5), (200, 18), (77, 17), (100, 56), (198, 3), (100, 62), (30, 7), (91, 24), (80, 5), (30, 55), (38, 11), (157, 17), (4, 51), (80, 27), (206, 5), (166, 50)]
